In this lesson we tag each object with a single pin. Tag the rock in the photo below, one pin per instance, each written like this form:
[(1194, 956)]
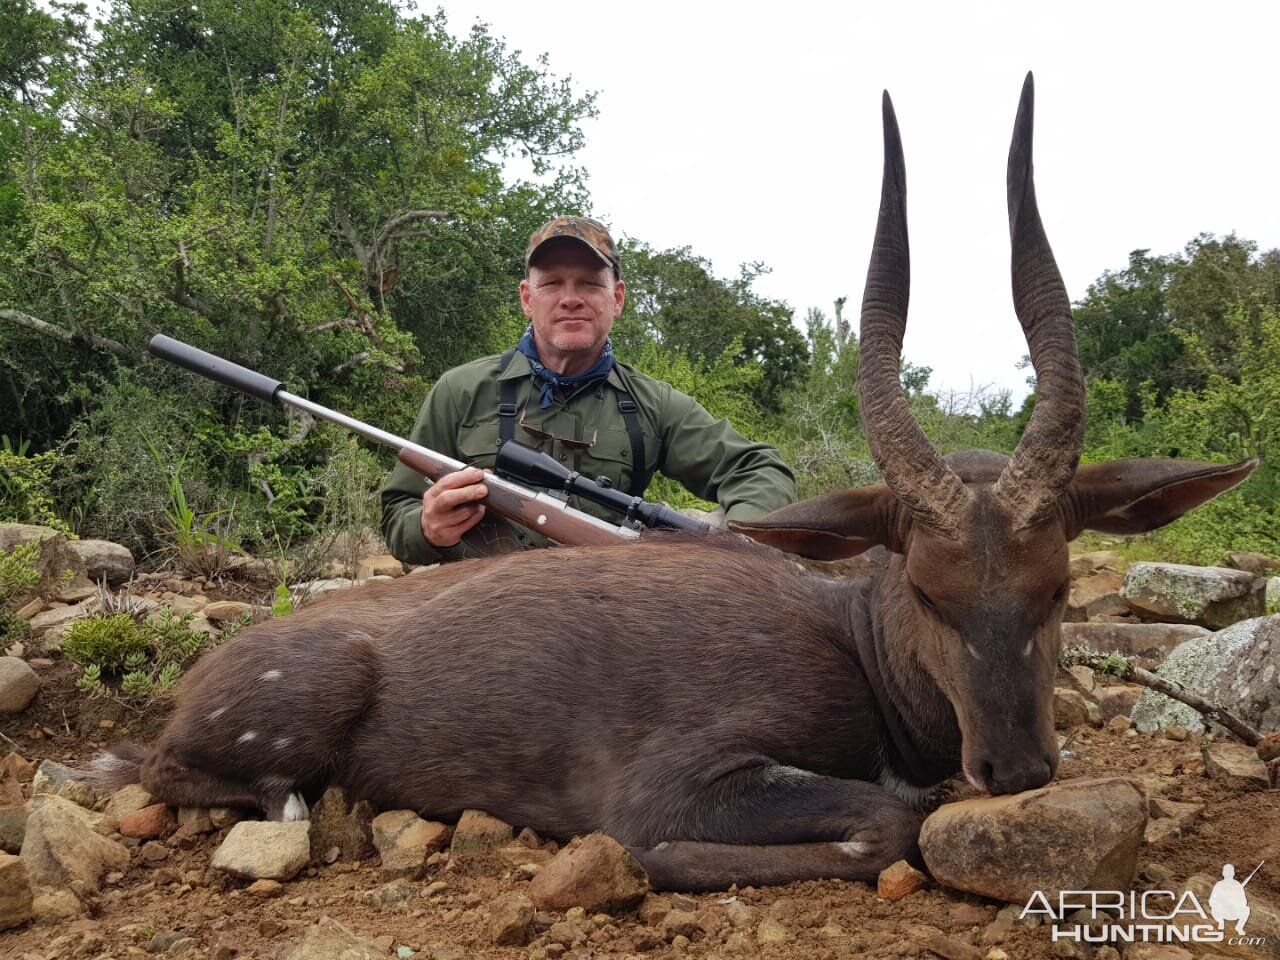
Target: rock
[(104, 560), (13, 825), (128, 799), (592, 872), (14, 767), (56, 906), (15, 892), (148, 823), (1076, 835), (1160, 830), (52, 624), (1096, 594), (771, 931), (1238, 668), (517, 854), (222, 611), (1268, 747), (1236, 764), (327, 939), (62, 845), (1258, 564), (66, 782), (477, 832), (1149, 643), (1213, 597), (1070, 709), (336, 823), (261, 849), (511, 921), (382, 565), (19, 685), (404, 841), (1079, 678), (1157, 951), (57, 563), (1185, 814), (1084, 565), (1117, 700), (899, 880)]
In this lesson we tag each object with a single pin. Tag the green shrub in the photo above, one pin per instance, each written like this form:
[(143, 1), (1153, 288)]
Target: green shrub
[(18, 574), (26, 486), (142, 660)]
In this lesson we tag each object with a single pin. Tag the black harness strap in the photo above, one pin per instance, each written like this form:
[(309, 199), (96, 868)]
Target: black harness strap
[(627, 406), (506, 401)]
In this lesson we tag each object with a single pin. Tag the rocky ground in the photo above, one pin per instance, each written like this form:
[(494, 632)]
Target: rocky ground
[(360, 886)]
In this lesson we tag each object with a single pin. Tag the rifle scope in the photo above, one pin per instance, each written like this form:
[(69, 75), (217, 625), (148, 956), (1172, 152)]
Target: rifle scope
[(524, 465)]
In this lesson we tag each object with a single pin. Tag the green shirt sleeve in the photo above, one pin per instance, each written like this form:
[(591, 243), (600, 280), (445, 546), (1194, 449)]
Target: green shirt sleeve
[(717, 463)]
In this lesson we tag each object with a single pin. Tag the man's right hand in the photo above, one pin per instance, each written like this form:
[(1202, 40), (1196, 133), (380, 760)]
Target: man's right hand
[(451, 506)]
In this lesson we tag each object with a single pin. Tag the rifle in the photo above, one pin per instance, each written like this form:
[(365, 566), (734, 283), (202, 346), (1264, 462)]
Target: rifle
[(516, 467)]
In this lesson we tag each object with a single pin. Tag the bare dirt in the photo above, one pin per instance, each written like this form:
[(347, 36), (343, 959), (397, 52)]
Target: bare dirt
[(170, 901)]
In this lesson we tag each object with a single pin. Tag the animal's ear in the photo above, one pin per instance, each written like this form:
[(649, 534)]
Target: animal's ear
[(830, 526), (1133, 496)]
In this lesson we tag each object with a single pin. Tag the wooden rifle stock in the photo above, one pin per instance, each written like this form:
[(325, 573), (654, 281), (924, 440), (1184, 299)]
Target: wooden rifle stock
[(545, 514)]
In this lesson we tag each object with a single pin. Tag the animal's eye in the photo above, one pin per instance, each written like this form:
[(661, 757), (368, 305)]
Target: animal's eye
[(924, 598)]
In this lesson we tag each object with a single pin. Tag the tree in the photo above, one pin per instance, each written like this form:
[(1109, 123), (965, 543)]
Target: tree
[(675, 299)]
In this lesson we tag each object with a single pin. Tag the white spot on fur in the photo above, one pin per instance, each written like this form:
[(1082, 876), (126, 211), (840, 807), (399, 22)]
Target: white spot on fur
[(215, 714), (973, 651), (247, 737), (271, 675), (1026, 651), (282, 742), (295, 808), (851, 848)]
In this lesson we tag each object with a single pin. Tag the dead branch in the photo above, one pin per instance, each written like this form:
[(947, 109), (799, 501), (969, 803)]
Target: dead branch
[(67, 336), (1119, 666)]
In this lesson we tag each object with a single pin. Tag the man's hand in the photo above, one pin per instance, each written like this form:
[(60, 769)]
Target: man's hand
[(450, 506)]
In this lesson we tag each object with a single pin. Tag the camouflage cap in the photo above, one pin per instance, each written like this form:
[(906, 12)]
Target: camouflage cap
[(583, 229)]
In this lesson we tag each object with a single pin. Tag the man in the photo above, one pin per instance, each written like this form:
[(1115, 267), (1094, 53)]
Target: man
[(561, 391)]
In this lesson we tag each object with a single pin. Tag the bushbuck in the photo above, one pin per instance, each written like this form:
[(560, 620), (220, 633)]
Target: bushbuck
[(726, 715)]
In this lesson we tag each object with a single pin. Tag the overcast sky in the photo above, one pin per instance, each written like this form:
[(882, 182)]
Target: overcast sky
[(751, 131)]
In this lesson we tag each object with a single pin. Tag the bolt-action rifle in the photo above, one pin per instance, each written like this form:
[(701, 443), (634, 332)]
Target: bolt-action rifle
[(515, 470)]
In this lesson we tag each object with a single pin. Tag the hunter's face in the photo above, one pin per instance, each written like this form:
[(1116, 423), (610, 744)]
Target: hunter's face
[(572, 299)]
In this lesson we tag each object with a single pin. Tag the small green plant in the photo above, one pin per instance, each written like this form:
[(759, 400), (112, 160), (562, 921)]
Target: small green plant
[(282, 606), (18, 575), (196, 543), (143, 660)]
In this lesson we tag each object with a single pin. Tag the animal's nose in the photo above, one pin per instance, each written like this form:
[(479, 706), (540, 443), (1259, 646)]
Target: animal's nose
[(1011, 774)]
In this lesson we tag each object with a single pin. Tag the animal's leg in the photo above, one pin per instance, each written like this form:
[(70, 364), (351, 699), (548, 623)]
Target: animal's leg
[(768, 823), (178, 785)]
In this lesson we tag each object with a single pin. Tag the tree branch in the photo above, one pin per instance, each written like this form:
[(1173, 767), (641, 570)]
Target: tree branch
[(1119, 666), (390, 228), (67, 336)]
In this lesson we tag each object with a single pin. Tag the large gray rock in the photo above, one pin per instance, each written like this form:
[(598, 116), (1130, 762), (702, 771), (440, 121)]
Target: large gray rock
[(1262, 929), (1259, 564), (62, 845), (18, 685), (58, 564), (1149, 643), (1213, 597), (1077, 835), (264, 850), (338, 824), (1237, 668), (104, 560), (478, 832), (404, 841), (1095, 594)]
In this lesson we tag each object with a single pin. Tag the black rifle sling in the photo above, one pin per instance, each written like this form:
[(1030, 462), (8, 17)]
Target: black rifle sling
[(627, 406)]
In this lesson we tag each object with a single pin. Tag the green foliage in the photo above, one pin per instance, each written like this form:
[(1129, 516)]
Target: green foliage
[(140, 661), (673, 299), (196, 543), (26, 482), (282, 605), (18, 574)]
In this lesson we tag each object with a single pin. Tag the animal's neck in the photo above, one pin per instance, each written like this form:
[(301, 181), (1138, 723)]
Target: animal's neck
[(923, 737)]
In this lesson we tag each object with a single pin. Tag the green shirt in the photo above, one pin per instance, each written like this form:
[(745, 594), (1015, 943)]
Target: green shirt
[(681, 439)]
